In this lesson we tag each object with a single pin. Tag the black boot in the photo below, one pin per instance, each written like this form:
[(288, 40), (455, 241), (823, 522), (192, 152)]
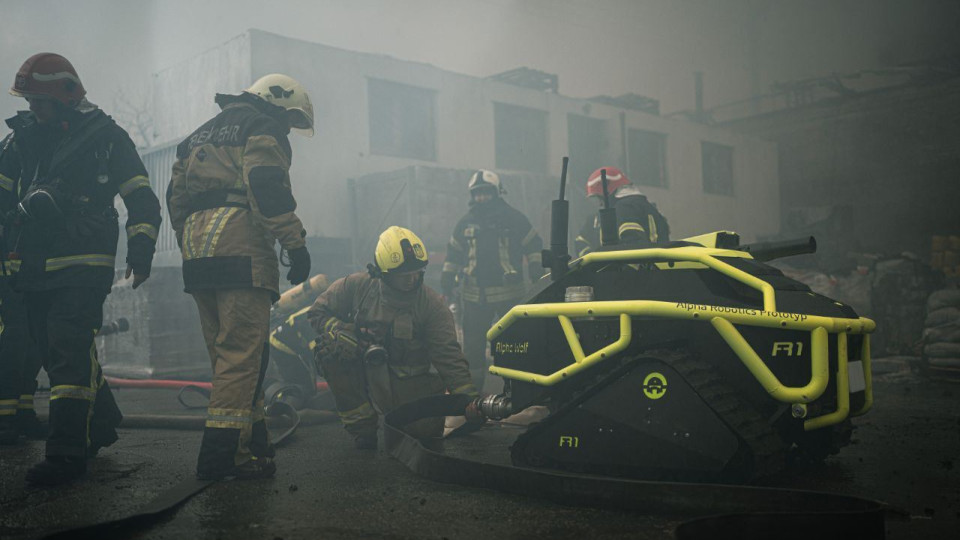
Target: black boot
[(365, 440), (101, 438), (56, 470), (30, 426), (217, 451), (8, 431)]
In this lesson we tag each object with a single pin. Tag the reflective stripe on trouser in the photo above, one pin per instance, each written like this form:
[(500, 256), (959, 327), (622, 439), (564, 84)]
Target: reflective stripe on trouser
[(477, 319), (361, 394), (235, 324), (19, 361), (348, 385), (82, 409)]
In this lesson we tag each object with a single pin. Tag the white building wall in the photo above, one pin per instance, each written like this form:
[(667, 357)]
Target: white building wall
[(337, 81)]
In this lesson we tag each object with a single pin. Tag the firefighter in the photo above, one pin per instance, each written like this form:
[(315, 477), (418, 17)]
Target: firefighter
[(19, 362), (381, 332), (66, 162), (19, 358), (485, 256), (638, 220), (230, 201)]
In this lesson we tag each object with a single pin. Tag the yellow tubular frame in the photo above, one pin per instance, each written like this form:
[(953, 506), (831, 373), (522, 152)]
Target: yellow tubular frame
[(819, 364), (704, 256), (581, 362), (722, 318)]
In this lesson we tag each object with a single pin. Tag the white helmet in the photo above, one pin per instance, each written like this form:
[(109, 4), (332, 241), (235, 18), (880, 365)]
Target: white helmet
[(284, 91), (485, 179)]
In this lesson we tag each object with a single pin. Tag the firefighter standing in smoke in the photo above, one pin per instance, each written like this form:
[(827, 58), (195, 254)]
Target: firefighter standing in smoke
[(229, 201), (638, 220), (381, 331), (19, 359), (67, 161), (485, 254)]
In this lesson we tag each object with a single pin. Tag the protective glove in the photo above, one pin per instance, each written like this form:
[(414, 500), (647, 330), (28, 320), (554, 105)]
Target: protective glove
[(299, 265), (338, 340)]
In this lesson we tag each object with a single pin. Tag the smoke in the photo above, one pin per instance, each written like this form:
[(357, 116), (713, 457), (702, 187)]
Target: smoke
[(596, 47)]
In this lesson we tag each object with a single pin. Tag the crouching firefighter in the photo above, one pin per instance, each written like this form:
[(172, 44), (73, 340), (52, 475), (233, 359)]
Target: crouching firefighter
[(230, 201), (387, 339), (68, 162)]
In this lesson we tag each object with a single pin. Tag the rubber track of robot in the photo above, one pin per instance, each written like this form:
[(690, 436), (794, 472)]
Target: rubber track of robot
[(768, 450)]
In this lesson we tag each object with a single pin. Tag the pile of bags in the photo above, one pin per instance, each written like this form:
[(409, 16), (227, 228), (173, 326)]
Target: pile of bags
[(941, 334)]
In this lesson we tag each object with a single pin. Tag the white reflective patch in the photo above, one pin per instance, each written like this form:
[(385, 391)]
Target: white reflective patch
[(857, 380)]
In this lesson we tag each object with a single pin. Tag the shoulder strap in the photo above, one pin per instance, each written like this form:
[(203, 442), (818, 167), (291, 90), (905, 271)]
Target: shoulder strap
[(84, 135)]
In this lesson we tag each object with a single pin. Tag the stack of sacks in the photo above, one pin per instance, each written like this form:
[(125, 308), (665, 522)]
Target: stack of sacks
[(941, 334)]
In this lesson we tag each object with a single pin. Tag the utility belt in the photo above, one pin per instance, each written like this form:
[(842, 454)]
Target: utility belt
[(219, 198)]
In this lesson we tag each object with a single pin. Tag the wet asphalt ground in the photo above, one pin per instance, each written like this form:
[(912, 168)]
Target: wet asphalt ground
[(905, 453)]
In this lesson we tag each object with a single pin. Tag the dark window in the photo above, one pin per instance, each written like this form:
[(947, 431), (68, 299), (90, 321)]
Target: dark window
[(586, 146), (647, 151), (402, 120), (717, 168), (520, 135)]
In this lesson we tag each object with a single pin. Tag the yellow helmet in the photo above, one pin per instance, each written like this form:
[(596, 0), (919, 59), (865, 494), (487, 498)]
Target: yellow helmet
[(284, 91), (399, 251)]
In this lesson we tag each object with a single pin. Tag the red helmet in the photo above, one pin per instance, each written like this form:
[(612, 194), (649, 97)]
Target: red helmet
[(615, 180), (49, 75)]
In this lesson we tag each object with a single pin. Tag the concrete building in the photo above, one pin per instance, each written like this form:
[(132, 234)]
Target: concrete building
[(869, 168), (382, 118), (377, 114)]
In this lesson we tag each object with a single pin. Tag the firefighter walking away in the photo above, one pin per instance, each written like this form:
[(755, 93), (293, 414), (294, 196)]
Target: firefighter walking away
[(230, 201)]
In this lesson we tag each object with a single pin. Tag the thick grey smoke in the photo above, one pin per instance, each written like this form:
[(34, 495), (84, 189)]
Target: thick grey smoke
[(611, 47)]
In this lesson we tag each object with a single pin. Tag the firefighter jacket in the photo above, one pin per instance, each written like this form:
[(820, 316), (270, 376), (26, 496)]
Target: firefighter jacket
[(415, 327), (229, 198), (638, 222), (83, 162), (488, 246)]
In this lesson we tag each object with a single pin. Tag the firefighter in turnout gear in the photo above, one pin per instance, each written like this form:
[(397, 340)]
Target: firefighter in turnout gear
[(387, 339), (19, 358), (230, 201), (64, 165), (19, 361), (485, 257), (638, 220)]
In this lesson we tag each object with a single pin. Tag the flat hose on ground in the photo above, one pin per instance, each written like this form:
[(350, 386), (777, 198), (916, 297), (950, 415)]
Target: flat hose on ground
[(746, 512)]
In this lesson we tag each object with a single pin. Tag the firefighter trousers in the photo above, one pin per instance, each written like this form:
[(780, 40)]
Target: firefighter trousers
[(19, 358), (235, 325), (83, 412), (362, 393), (478, 317)]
